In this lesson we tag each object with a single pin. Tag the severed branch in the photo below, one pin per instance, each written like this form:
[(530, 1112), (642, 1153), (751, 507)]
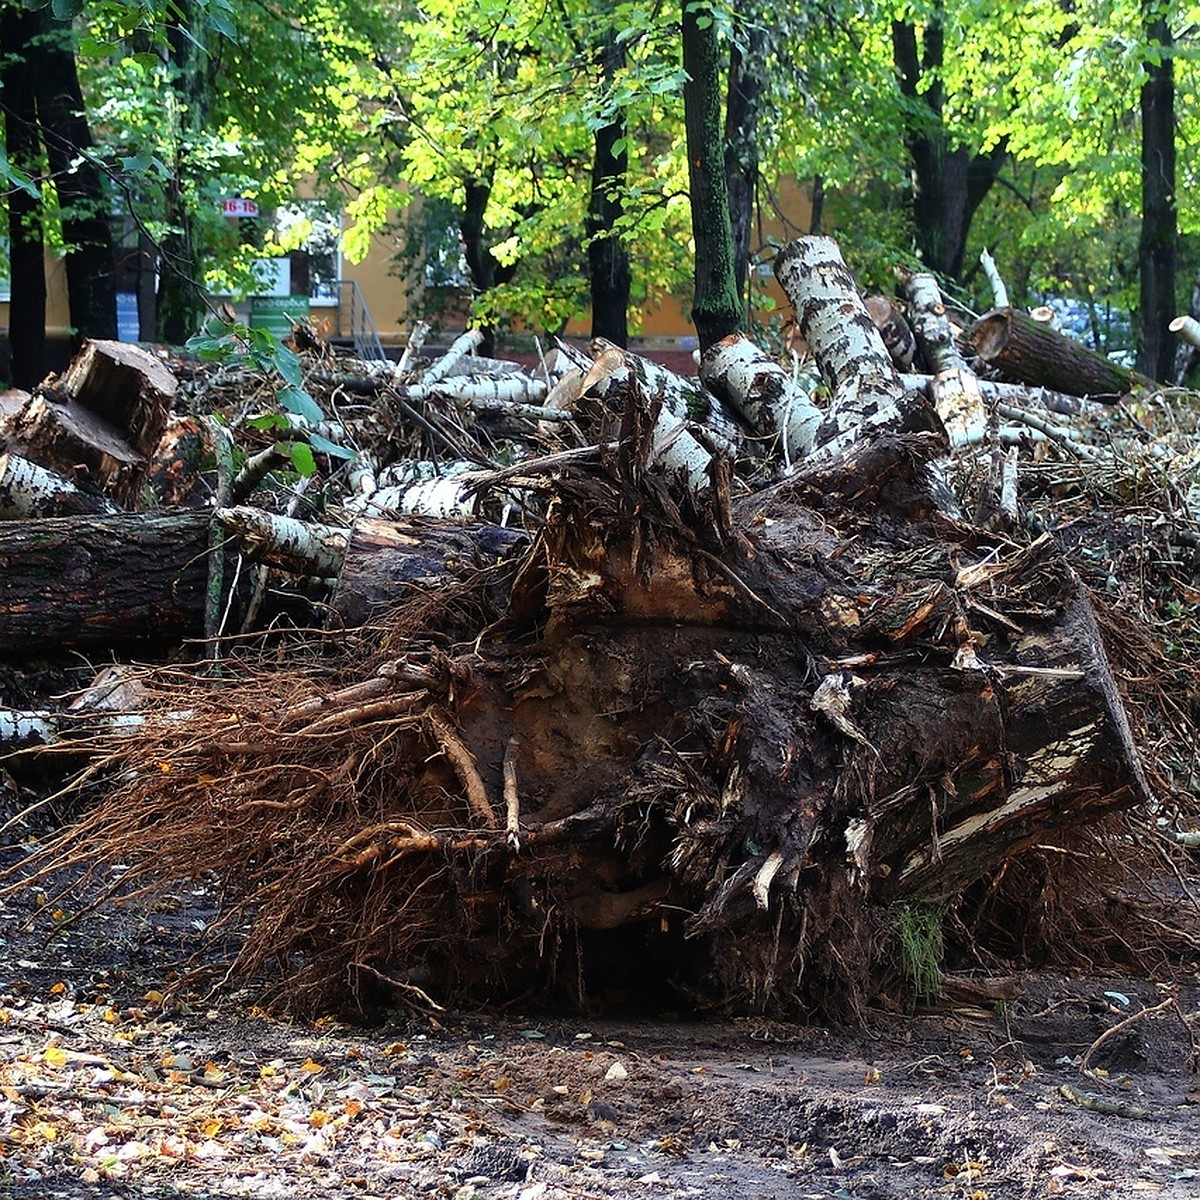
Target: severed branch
[(995, 281)]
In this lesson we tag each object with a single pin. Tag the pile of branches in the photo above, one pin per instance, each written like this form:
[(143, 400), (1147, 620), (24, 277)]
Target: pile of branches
[(741, 692)]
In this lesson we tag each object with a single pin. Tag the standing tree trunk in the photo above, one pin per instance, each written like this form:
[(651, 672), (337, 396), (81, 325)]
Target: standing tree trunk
[(741, 146), (1156, 248), (716, 312), (486, 272), (27, 256), (91, 278), (949, 184), (180, 301), (608, 258)]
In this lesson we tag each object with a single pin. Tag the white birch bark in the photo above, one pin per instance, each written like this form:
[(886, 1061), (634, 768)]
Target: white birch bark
[(443, 497), (684, 399), (472, 389), (960, 406), (927, 316), (680, 453), (1018, 394), (463, 345), (416, 340), (28, 490), (23, 728), (301, 547), (849, 349), (995, 279), (773, 401)]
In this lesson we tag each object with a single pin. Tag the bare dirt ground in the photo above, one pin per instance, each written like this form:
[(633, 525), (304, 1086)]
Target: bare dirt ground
[(113, 1085)]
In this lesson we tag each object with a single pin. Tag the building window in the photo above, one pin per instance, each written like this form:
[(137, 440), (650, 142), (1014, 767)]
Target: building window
[(310, 231)]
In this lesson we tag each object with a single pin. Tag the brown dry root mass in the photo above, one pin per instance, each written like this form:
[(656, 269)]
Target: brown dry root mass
[(738, 751)]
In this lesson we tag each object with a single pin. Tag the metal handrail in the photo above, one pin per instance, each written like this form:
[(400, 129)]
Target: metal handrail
[(361, 328)]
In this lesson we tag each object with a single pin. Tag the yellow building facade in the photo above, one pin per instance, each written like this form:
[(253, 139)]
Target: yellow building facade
[(373, 286)]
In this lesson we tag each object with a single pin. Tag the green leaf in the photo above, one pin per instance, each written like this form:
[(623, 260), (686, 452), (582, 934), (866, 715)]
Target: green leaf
[(325, 446), (302, 457), (268, 421), (297, 400), (288, 365), (17, 177), (67, 10)]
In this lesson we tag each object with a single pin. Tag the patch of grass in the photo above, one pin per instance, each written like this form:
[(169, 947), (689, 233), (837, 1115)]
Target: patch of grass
[(919, 941)]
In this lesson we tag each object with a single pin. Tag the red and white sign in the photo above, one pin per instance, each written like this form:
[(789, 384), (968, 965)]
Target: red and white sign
[(235, 206)]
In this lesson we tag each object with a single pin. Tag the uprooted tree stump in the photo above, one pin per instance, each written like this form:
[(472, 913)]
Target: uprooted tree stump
[(713, 762), (678, 738)]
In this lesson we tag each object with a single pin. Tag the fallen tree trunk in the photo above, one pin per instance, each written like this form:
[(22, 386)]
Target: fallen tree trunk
[(102, 581), (774, 404), (1032, 352), (139, 579)]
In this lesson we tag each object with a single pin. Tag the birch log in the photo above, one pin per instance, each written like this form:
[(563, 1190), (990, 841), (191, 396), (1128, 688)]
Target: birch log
[(27, 490), (854, 362), (774, 403), (459, 349), (684, 399), (927, 315)]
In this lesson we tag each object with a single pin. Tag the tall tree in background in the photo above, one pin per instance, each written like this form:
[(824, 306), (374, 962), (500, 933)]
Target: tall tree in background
[(948, 181), (741, 143), (45, 105), (608, 257), (716, 311), (27, 274), (1157, 244), (180, 301)]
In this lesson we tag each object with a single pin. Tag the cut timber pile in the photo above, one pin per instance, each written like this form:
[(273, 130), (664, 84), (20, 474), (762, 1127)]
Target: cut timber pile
[(763, 666)]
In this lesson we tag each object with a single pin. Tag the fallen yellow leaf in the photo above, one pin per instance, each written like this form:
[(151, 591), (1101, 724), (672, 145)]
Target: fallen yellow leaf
[(353, 1108), (58, 988), (313, 1068), (54, 1056), (318, 1117), (153, 997), (44, 1130), (211, 1127), (110, 1017)]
